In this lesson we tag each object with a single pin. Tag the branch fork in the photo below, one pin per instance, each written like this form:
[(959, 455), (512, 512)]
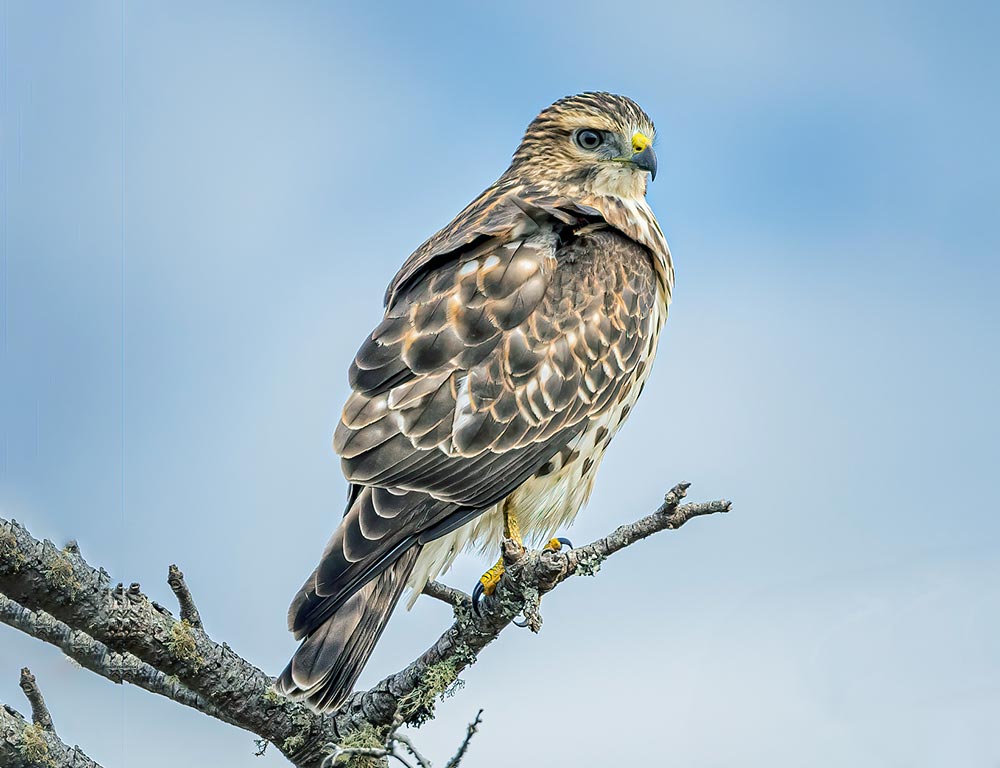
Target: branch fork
[(119, 633)]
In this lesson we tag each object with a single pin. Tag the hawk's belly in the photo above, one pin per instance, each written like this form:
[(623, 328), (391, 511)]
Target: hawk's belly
[(547, 502)]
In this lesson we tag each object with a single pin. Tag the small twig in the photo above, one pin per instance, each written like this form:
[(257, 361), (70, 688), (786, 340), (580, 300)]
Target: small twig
[(339, 752), (189, 611), (668, 517), (469, 733), (403, 739), (454, 597), (97, 657), (377, 752), (39, 712), (400, 758), (55, 595), (27, 745)]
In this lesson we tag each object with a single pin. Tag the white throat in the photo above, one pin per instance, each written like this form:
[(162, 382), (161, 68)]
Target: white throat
[(618, 180)]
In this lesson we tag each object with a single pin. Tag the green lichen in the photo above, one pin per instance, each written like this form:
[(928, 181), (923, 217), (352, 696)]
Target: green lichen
[(271, 696), (182, 644), (10, 554), (365, 738), (33, 746), (61, 578), (588, 566), (463, 656), (439, 681), (294, 743)]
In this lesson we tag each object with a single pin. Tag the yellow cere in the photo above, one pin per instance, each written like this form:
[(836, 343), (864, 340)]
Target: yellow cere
[(639, 142)]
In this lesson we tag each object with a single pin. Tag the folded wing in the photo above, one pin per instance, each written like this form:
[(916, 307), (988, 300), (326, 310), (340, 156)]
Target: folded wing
[(491, 357)]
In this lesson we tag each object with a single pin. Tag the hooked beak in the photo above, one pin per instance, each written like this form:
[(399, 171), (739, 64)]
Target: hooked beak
[(646, 161)]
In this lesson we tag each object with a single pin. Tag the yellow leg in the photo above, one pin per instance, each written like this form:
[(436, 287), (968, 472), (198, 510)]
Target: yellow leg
[(511, 530)]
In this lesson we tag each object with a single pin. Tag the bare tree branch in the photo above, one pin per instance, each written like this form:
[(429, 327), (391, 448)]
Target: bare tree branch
[(464, 746), (388, 748), (39, 578), (456, 598), (32, 745), (97, 657), (587, 560), (39, 712), (422, 761), (528, 575), (189, 611)]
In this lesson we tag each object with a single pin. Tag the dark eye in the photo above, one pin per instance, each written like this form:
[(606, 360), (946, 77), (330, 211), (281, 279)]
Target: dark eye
[(588, 139)]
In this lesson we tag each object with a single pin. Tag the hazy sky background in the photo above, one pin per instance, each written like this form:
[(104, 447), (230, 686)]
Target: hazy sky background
[(203, 202)]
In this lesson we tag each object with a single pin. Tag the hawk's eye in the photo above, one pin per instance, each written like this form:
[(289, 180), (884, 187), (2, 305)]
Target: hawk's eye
[(588, 139)]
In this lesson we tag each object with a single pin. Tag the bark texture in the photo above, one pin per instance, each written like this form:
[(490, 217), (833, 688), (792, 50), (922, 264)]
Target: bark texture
[(116, 631), (35, 744)]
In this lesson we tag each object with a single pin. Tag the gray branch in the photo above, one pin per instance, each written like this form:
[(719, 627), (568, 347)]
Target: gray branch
[(39, 712), (189, 611), (41, 578), (528, 575), (456, 598), (390, 747), (60, 585), (464, 746), (97, 657), (422, 761), (30, 745)]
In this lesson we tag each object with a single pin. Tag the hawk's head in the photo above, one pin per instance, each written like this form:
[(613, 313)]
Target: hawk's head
[(599, 143)]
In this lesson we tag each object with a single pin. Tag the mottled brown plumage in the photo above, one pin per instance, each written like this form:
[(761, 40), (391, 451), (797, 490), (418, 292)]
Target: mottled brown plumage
[(514, 343)]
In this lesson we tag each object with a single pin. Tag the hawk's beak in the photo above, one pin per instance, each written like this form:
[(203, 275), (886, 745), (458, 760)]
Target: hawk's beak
[(643, 156), (646, 161)]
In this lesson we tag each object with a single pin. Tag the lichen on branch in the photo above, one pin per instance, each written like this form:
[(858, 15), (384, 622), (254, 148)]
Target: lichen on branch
[(56, 596)]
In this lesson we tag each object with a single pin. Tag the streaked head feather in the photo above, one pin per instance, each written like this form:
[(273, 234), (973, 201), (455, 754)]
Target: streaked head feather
[(549, 154)]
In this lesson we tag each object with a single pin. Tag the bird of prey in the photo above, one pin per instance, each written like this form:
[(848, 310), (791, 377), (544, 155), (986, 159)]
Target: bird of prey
[(514, 344)]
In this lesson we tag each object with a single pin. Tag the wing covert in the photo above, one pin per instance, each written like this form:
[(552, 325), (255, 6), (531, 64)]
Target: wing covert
[(483, 368), (497, 351)]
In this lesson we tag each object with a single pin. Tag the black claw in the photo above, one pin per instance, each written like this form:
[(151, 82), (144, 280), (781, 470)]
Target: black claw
[(517, 623), (477, 595), (564, 541)]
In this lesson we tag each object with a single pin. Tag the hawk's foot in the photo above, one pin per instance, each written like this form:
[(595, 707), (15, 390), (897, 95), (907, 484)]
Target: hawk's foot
[(486, 585)]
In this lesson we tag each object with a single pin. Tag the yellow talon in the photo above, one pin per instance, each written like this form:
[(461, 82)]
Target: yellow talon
[(491, 578), (558, 543), (511, 530), (487, 585)]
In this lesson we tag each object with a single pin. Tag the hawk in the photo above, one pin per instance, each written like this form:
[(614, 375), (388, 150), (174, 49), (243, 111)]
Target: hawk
[(514, 344)]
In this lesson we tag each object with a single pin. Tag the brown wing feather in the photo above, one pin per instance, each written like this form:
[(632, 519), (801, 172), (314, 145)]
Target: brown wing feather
[(482, 369), (506, 211), (487, 365), (501, 340)]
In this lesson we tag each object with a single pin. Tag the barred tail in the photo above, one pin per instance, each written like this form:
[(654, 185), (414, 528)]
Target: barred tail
[(327, 664)]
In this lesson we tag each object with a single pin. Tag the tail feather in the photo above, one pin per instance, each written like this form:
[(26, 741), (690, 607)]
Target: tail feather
[(327, 664)]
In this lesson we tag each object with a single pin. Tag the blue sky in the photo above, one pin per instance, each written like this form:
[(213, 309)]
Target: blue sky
[(202, 204)]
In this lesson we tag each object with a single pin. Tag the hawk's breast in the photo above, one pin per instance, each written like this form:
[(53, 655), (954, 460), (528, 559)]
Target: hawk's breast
[(602, 274)]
